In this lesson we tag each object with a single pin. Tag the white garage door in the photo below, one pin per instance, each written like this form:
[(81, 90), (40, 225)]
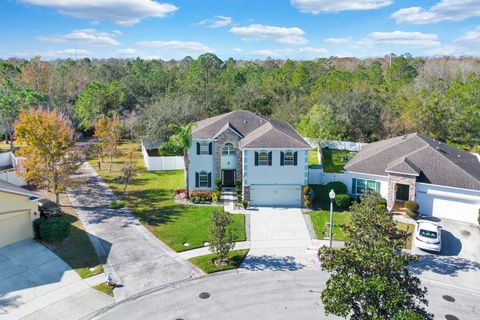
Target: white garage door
[(275, 195), (15, 227), (448, 207)]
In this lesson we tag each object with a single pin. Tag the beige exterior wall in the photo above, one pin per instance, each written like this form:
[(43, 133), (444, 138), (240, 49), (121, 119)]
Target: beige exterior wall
[(17, 213)]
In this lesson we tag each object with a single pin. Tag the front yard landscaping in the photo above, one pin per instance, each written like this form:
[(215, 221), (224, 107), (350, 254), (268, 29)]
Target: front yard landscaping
[(320, 218), (205, 263), (150, 198), (333, 161)]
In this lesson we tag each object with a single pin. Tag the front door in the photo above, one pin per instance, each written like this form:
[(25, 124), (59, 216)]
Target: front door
[(402, 192), (228, 178)]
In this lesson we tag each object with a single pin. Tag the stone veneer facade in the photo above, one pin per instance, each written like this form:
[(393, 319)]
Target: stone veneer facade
[(225, 137), (393, 180)]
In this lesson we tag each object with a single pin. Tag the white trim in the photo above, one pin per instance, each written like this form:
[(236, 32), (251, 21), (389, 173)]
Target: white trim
[(22, 193), (442, 186), (406, 174), (266, 148), (450, 195), (368, 174)]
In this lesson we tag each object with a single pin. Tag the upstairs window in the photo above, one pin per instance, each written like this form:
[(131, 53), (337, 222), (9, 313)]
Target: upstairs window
[(288, 158), (228, 149), (204, 148), (263, 158)]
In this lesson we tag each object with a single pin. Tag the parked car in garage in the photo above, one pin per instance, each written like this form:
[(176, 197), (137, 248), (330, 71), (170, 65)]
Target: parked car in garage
[(428, 236)]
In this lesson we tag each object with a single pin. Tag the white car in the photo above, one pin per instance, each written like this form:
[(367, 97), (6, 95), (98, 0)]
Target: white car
[(428, 236)]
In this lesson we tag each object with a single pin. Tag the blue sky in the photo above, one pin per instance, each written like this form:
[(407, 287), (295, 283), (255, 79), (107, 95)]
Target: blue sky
[(246, 29)]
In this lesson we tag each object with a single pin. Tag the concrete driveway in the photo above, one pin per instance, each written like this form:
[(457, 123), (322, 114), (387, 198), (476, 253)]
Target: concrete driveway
[(33, 278), (279, 240), (458, 264)]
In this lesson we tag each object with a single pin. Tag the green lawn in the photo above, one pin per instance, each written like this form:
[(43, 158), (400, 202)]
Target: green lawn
[(105, 288), (334, 160), (206, 262), (320, 218), (313, 157), (150, 198), (77, 250)]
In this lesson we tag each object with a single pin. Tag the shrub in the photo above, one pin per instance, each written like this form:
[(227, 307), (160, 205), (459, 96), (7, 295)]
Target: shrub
[(238, 183), (218, 184), (306, 190), (116, 205), (306, 197), (307, 203), (54, 229), (382, 203), (245, 204), (36, 227), (343, 201), (412, 206), (216, 196), (411, 214), (202, 195), (337, 186), (239, 198)]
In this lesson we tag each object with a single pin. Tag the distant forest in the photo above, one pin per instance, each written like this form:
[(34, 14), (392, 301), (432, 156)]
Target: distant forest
[(334, 98)]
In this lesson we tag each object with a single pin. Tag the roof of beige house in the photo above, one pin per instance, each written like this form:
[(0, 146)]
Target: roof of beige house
[(415, 154), (254, 131), (11, 188)]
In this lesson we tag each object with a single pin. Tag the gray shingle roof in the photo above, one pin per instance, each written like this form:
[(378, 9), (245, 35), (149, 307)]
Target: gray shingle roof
[(434, 162), (256, 131)]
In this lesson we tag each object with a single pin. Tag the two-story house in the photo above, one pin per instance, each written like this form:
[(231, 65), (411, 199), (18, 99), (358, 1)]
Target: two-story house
[(268, 156)]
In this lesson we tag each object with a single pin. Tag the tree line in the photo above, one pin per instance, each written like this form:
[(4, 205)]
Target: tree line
[(341, 98)]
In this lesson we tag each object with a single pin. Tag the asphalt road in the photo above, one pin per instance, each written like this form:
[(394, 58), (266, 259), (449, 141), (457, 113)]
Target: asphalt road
[(264, 295)]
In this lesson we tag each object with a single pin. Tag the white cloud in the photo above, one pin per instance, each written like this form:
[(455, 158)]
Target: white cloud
[(89, 36), (122, 12), (401, 38), (178, 48), (66, 53), (468, 44), (338, 40), (129, 52), (445, 10), (317, 6), (292, 35), (237, 50), (289, 52), (216, 22)]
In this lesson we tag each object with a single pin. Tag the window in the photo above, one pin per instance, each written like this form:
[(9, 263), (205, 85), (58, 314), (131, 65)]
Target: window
[(263, 159), (228, 149), (288, 159), (360, 185), (203, 180), (204, 148)]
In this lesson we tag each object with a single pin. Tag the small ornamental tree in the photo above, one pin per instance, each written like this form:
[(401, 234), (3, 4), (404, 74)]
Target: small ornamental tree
[(221, 236), (108, 131), (128, 169), (369, 276), (48, 143)]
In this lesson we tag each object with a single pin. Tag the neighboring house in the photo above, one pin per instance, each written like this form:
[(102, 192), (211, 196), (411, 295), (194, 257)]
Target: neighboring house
[(18, 209), (268, 156), (444, 180)]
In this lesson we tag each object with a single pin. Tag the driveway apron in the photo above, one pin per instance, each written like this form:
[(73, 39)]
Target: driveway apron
[(136, 259)]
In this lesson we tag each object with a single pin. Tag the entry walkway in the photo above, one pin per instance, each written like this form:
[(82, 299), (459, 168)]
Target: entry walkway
[(279, 240)]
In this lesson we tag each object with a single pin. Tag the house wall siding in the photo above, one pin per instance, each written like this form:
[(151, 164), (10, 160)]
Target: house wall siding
[(275, 174), (200, 162)]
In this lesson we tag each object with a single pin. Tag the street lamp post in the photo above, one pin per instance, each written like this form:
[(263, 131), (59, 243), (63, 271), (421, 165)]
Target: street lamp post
[(331, 195)]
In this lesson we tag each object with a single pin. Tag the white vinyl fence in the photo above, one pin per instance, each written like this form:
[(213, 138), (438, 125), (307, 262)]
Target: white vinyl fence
[(162, 163), (8, 160), (343, 145)]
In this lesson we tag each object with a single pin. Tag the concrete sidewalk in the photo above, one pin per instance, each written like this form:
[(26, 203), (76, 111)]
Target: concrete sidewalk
[(136, 258), (206, 250)]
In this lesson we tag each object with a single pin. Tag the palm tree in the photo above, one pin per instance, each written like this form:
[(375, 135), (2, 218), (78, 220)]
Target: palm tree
[(181, 140)]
